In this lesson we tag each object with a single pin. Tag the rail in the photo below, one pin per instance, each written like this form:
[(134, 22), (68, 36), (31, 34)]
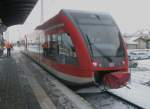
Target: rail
[(133, 104), (109, 100)]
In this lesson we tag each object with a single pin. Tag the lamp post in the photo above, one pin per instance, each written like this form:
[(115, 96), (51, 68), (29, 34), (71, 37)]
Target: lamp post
[(41, 21), (42, 12)]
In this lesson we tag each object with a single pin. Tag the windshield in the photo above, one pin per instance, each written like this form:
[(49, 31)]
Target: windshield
[(103, 40)]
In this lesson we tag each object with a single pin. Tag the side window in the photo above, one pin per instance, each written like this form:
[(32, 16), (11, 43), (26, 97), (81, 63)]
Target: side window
[(67, 52), (50, 47), (59, 47), (54, 46), (45, 46), (59, 39)]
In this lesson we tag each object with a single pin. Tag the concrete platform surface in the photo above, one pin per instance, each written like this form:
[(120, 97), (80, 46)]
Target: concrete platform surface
[(15, 91), (18, 87), (25, 85)]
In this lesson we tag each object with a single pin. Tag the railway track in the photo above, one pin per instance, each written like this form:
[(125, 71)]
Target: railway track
[(108, 100)]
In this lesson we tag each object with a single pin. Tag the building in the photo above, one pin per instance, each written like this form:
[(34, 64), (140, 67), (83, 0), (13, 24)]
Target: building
[(141, 43), (131, 44), (138, 42)]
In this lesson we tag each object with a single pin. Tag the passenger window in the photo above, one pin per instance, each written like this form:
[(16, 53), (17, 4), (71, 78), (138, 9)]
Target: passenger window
[(59, 39), (53, 50), (45, 46), (61, 49), (54, 37), (50, 47)]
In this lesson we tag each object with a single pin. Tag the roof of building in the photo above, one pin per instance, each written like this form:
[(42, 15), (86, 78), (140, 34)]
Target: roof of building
[(14, 12), (131, 40)]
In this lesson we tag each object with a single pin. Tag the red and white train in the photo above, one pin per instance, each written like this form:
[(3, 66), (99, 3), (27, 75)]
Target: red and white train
[(81, 48)]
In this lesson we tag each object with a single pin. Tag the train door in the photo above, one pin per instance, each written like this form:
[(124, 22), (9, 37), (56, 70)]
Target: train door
[(67, 50), (61, 49), (64, 54)]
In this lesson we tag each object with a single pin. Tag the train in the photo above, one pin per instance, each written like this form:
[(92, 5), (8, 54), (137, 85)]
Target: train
[(81, 48)]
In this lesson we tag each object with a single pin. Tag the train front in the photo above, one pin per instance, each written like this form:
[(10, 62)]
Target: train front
[(109, 56), (106, 48)]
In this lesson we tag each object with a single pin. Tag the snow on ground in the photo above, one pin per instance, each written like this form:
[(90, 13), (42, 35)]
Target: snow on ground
[(16, 48), (139, 85), (138, 94), (106, 101), (141, 74)]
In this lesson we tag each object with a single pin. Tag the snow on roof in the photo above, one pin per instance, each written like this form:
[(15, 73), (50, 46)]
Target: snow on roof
[(131, 40)]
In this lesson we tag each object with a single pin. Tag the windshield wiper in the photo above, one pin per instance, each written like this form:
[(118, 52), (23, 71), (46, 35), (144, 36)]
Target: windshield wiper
[(91, 44), (106, 57)]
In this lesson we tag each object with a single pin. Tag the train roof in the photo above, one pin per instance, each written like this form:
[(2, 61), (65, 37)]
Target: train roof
[(87, 17), (83, 12), (83, 17)]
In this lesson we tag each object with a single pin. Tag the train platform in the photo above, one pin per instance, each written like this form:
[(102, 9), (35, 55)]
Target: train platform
[(17, 91), (25, 85)]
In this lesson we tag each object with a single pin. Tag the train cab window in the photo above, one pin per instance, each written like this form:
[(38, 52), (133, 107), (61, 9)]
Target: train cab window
[(67, 50)]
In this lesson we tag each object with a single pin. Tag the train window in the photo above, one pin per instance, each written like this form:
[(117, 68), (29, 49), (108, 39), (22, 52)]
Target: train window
[(89, 21), (54, 37), (50, 47), (93, 19), (67, 52), (61, 49), (59, 39), (49, 38), (104, 40), (42, 38), (45, 45), (53, 50), (46, 38)]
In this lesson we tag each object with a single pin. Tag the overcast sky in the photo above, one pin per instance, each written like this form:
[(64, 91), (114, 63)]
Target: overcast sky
[(130, 15)]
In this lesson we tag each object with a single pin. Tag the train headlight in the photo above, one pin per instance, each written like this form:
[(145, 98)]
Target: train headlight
[(100, 65), (111, 64), (123, 62), (95, 64)]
